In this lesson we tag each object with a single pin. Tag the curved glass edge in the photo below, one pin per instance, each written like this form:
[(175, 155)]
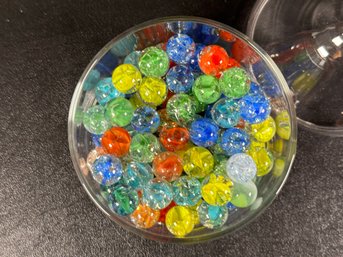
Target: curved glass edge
[(250, 31), (253, 17), (215, 234)]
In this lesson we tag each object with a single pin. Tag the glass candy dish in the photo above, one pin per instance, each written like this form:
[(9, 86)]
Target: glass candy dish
[(252, 58)]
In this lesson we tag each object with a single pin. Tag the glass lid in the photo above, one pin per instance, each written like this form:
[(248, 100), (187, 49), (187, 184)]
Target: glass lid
[(305, 39)]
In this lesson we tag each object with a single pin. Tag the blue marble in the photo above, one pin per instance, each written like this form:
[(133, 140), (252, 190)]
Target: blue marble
[(254, 88), (91, 80), (137, 174), (187, 191), (270, 86), (107, 170), (205, 34), (231, 208), (204, 132), (157, 194), (105, 91), (180, 48), (234, 140), (123, 200), (211, 216), (107, 64), (96, 140), (226, 112), (254, 107), (241, 168), (125, 45), (133, 58), (194, 61), (145, 120), (180, 79), (267, 81), (209, 35), (208, 111)]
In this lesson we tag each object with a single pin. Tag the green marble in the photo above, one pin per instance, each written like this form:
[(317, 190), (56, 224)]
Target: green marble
[(123, 200), (206, 89), (181, 108), (119, 112), (154, 62), (95, 121), (144, 147), (244, 195), (234, 83), (199, 106)]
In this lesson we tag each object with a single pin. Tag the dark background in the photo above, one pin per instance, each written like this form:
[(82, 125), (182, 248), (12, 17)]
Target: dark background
[(44, 211)]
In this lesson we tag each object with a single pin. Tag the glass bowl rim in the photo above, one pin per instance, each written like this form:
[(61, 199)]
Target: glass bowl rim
[(213, 234)]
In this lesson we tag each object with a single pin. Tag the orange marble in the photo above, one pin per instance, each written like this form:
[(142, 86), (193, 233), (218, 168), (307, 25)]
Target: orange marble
[(144, 216), (116, 141), (173, 137), (213, 60), (167, 165)]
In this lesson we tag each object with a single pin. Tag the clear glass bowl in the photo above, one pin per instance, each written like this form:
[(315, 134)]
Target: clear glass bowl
[(252, 58)]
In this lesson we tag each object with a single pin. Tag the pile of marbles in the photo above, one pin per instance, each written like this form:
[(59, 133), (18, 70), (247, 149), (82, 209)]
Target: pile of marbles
[(180, 131)]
